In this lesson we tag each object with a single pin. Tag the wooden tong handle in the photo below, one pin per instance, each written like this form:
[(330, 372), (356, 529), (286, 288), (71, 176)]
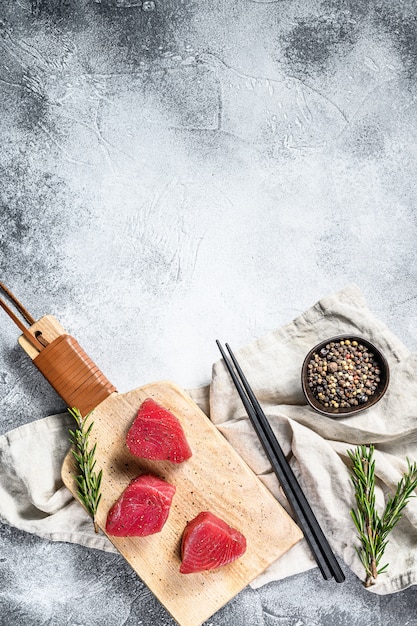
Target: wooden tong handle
[(59, 357), (35, 340)]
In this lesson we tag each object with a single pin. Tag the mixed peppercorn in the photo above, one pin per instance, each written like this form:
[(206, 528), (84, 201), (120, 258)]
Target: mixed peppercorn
[(343, 374)]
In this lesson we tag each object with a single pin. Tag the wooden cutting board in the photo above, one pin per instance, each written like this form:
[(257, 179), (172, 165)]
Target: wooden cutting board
[(215, 479)]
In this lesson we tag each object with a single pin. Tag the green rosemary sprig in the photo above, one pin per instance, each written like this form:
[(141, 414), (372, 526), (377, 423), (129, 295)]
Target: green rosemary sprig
[(373, 529), (88, 480)]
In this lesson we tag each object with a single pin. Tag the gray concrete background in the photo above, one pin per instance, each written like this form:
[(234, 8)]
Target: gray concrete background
[(176, 171)]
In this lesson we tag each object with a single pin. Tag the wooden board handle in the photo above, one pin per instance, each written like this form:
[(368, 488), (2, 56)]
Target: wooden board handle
[(67, 367)]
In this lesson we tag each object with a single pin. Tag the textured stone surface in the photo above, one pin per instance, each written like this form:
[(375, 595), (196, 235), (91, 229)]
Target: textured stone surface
[(174, 171)]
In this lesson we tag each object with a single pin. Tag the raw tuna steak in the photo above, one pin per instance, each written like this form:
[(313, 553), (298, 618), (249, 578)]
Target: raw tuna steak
[(142, 509), (208, 543), (157, 434)]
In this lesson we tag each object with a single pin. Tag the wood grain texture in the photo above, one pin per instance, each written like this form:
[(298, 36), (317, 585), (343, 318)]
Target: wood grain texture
[(214, 479), (50, 328), (67, 367)]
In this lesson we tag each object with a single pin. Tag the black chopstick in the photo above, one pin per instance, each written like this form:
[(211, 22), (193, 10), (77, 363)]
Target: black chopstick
[(305, 517)]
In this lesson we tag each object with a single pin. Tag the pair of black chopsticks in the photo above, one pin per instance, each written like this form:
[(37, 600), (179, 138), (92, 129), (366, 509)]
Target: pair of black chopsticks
[(305, 517)]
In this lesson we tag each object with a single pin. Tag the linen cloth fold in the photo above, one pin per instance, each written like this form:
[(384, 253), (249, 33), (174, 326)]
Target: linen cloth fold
[(38, 502)]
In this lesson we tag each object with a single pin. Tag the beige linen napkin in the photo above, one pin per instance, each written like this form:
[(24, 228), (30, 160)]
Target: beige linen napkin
[(37, 502)]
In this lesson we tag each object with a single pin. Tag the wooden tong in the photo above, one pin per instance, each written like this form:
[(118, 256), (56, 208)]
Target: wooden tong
[(60, 358), (36, 340)]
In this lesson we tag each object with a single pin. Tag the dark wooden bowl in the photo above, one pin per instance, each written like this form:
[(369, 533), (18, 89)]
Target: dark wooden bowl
[(345, 411)]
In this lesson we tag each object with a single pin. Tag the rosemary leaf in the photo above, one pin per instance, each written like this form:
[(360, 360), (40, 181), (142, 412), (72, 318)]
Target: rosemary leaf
[(372, 528), (88, 481)]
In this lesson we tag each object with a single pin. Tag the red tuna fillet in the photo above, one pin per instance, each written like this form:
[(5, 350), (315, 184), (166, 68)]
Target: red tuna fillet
[(142, 509), (157, 434), (208, 543)]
